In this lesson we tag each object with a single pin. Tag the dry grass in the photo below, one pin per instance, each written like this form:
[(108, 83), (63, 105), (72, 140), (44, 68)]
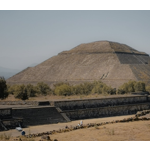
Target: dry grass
[(4, 137), (131, 131), (128, 131)]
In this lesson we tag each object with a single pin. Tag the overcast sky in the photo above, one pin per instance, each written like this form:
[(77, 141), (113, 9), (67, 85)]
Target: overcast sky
[(28, 37)]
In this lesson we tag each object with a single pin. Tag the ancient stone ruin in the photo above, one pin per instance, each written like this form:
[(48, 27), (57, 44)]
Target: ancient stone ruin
[(111, 62), (7, 120), (31, 113)]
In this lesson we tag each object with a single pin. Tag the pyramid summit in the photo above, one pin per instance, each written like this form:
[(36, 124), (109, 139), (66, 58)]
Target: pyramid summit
[(111, 62), (103, 47)]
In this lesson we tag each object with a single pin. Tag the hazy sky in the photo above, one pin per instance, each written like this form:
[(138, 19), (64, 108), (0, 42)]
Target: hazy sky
[(28, 37)]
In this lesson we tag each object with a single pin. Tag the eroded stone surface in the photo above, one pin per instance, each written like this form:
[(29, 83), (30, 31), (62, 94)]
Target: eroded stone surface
[(111, 62)]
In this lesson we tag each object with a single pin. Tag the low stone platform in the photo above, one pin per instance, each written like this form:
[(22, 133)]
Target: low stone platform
[(38, 115), (49, 112)]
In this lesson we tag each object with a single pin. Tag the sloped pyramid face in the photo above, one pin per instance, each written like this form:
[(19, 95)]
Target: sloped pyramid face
[(111, 62)]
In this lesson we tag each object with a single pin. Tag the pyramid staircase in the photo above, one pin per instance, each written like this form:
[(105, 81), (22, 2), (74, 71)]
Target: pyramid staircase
[(2, 126), (63, 114)]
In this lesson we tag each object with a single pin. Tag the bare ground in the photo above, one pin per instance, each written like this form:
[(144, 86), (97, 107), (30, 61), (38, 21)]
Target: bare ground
[(132, 131), (128, 131)]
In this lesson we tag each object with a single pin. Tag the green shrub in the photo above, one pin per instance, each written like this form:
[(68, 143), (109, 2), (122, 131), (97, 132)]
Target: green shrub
[(63, 89), (75, 90), (43, 88), (113, 91), (31, 90), (139, 86), (87, 87), (131, 86), (11, 89), (127, 87), (20, 92), (78, 89), (148, 88), (120, 91), (84, 88), (60, 83), (3, 89), (101, 88), (107, 90), (97, 89)]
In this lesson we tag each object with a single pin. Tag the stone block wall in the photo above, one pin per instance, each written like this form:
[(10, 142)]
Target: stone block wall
[(20, 102), (101, 102), (5, 113), (106, 111), (38, 115)]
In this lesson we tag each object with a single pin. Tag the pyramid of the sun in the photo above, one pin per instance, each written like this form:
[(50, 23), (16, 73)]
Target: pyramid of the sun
[(111, 62)]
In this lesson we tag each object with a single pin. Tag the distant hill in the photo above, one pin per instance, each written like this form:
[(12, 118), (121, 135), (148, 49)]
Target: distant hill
[(7, 72), (33, 65)]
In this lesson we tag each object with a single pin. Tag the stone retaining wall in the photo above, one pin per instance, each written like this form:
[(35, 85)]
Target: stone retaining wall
[(77, 109), (106, 111), (84, 103), (101, 102), (20, 102), (38, 115), (5, 113)]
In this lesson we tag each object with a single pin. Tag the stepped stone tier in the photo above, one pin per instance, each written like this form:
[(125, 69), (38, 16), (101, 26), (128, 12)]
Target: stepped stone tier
[(48, 112), (111, 62)]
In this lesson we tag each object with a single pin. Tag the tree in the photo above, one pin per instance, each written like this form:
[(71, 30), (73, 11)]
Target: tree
[(31, 90), (3, 88), (101, 88), (87, 87), (11, 88), (43, 88), (120, 91), (131, 86), (148, 88), (139, 86), (127, 87), (20, 92), (107, 90), (97, 89), (63, 89)]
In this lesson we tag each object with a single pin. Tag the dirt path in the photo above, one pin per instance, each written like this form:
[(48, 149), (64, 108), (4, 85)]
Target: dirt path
[(50, 127)]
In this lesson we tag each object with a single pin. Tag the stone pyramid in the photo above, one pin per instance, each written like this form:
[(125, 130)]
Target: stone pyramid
[(111, 62)]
